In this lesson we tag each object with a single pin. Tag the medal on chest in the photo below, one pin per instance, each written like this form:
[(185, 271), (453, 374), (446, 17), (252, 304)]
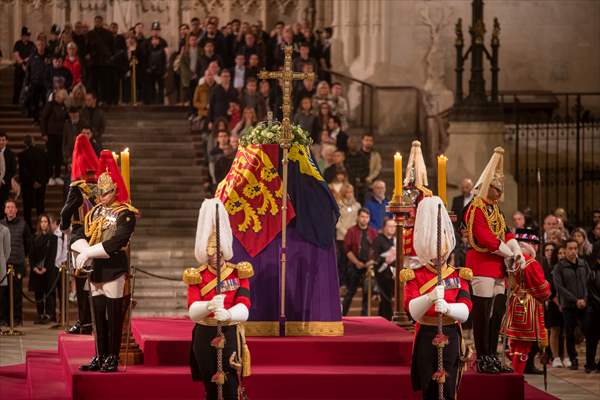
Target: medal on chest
[(229, 285)]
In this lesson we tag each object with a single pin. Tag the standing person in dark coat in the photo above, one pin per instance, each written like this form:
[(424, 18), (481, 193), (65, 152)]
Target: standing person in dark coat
[(570, 278), (357, 165), (22, 49), (100, 46), (41, 259), (20, 242), (8, 169), (52, 125), (592, 329), (33, 174), (53, 41), (384, 255), (37, 78), (59, 76), (221, 96), (95, 117), (155, 72)]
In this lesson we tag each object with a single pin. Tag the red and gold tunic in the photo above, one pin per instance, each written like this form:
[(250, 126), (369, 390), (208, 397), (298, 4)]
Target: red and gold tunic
[(235, 285), (486, 228), (409, 228), (422, 280), (524, 318)]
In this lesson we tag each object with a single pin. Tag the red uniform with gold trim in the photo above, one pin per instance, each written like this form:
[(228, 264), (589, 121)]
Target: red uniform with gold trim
[(409, 228), (424, 359), (523, 322), (485, 229), (235, 285)]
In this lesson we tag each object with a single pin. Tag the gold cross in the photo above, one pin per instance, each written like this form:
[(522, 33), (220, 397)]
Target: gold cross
[(287, 75)]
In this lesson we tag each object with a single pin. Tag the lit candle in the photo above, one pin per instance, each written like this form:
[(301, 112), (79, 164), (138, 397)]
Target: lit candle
[(125, 171), (397, 176), (116, 157), (441, 162)]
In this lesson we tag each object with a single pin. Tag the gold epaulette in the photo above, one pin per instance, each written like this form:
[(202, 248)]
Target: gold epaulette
[(244, 269), (406, 274), (465, 273), (191, 276), (126, 206), (426, 192), (86, 191)]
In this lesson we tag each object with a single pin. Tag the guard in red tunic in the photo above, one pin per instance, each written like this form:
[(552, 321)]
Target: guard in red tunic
[(523, 323), (490, 243), (229, 309), (424, 299)]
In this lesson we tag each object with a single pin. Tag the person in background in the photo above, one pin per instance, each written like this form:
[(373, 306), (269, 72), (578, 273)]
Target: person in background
[(60, 77), (20, 243), (561, 214), (4, 255), (221, 96), (460, 202), (384, 255), (336, 166), (223, 164), (73, 127), (52, 124), (22, 49), (251, 98), (248, 121), (41, 259), (336, 133), (377, 204), (203, 90), (584, 247), (518, 219), (156, 69), (100, 48), (570, 278), (373, 156), (217, 152), (238, 72), (594, 232), (592, 318), (8, 169), (189, 67), (33, 175), (357, 244), (61, 257), (305, 117), (340, 104), (94, 116), (357, 165), (553, 317), (349, 208), (73, 64), (37, 79)]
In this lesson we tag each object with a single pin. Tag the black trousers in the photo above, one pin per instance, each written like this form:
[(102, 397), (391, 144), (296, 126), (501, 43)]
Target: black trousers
[(190, 95), (36, 100), (592, 336), (17, 296), (33, 197), (18, 83), (83, 302), (55, 154), (385, 282), (4, 193), (342, 260), (101, 81), (155, 89), (573, 316), (487, 319), (47, 305), (108, 318), (355, 278)]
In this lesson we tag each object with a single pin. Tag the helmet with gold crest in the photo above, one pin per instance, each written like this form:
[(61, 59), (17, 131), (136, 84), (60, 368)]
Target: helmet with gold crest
[(110, 178)]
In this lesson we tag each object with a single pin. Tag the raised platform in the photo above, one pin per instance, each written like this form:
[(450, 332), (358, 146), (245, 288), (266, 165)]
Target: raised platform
[(370, 362)]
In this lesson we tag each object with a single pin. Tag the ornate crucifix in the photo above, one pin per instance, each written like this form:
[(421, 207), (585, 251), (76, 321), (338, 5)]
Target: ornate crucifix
[(287, 75)]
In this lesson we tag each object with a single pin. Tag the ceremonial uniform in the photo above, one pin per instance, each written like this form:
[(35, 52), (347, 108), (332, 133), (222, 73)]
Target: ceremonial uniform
[(80, 200), (490, 243), (523, 323), (426, 298), (235, 286), (219, 356), (104, 240)]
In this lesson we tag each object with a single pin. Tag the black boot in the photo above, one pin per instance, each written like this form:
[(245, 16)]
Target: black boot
[(115, 314), (481, 324), (75, 329), (94, 365), (485, 365), (101, 337), (499, 365)]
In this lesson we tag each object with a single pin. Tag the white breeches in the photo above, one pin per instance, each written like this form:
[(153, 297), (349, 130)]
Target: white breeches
[(484, 286), (113, 289)]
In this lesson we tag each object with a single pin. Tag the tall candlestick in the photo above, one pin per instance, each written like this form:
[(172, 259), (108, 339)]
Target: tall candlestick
[(125, 171), (397, 177), (441, 162)]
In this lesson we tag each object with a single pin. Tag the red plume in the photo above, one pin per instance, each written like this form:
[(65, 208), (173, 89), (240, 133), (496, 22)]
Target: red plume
[(108, 164), (84, 158)]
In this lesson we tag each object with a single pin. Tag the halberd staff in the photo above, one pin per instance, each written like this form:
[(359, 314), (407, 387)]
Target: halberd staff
[(208, 308), (425, 297)]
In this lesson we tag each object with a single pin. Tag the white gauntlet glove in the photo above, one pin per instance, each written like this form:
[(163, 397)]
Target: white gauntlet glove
[(217, 302)]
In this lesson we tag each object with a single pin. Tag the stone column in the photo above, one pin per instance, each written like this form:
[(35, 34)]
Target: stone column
[(75, 12), (17, 19), (59, 9), (174, 21)]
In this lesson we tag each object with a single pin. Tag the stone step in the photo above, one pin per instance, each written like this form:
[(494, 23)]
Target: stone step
[(146, 206), (141, 196), (165, 188), (125, 139), (164, 243), (165, 232), (161, 213), (173, 171), (148, 121), (155, 159), (182, 181), (167, 222)]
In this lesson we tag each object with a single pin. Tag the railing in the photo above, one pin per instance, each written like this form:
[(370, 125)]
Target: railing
[(559, 138), (366, 105)]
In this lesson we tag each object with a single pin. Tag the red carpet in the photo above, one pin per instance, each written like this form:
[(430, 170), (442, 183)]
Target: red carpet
[(370, 362)]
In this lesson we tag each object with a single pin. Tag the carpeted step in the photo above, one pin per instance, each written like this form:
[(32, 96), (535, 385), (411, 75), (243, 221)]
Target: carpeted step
[(45, 375), (13, 382)]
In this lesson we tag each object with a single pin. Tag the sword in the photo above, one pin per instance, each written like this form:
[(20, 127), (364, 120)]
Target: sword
[(440, 375)]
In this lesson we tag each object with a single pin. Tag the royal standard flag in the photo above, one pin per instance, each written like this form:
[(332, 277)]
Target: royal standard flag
[(252, 194)]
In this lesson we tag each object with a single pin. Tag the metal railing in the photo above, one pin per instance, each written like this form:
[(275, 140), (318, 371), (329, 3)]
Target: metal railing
[(366, 105), (560, 138)]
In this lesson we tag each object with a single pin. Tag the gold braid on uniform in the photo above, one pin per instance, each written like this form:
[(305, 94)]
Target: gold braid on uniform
[(494, 219), (93, 227)]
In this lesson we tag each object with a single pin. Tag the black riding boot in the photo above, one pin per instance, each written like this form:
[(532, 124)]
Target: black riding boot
[(99, 306), (498, 310), (115, 328), (481, 333)]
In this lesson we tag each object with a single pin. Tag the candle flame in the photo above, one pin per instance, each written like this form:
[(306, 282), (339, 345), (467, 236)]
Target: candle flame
[(126, 150)]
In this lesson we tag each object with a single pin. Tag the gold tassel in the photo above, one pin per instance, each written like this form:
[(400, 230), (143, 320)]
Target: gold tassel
[(246, 361)]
